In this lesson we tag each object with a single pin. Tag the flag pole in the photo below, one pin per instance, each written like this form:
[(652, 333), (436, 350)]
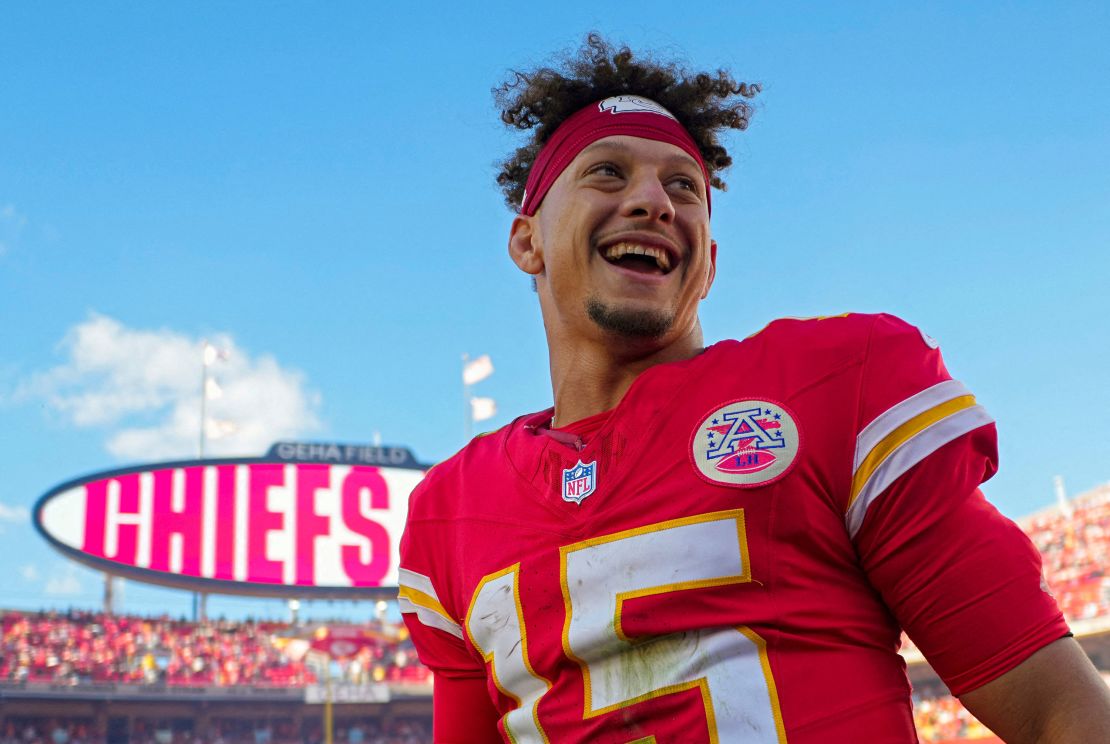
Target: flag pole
[(203, 396), (468, 417), (473, 372), (197, 613)]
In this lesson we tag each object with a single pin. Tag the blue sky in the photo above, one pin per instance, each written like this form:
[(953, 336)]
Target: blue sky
[(311, 187)]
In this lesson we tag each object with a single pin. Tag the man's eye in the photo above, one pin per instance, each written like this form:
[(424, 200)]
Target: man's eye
[(605, 169), (686, 184)]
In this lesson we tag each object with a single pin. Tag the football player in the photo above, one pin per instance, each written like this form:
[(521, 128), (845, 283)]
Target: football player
[(712, 544)]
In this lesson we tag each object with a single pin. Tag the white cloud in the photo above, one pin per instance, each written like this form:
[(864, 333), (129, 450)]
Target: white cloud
[(11, 225), (143, 386), (13, 513), (29, 572), (63, 584)]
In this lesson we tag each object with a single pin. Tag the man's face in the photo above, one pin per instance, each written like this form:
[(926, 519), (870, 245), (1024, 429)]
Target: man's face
[(621, 242)]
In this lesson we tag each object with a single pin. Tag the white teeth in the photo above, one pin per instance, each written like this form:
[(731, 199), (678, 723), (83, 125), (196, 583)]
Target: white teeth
[(662, 258)]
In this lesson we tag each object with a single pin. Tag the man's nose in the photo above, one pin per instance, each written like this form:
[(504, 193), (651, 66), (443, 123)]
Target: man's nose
[(647, 197)]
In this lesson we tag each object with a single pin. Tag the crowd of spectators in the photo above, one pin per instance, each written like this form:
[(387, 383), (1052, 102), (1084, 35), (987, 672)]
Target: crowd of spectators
[(38, 730), (79, 647), (942, 718), (1074, 541)]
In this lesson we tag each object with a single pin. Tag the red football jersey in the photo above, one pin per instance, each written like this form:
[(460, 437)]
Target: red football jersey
[(728, 555)]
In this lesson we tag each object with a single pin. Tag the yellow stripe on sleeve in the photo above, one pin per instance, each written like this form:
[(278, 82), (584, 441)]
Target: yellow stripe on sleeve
[(420, 599), (417, 596), (897, 447), (889, 444)]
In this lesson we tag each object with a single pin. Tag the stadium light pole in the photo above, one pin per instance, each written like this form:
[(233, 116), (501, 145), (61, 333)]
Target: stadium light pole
[(1062, 496), (208, 356)]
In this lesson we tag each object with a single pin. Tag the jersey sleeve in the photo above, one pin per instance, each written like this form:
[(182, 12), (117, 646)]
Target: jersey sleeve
[(436, 631), (963, 580)]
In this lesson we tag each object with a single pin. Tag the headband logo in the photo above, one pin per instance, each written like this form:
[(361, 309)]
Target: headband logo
[(632, 105)]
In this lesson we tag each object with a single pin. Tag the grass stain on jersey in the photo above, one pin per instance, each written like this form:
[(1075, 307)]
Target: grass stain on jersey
[(648, 665)]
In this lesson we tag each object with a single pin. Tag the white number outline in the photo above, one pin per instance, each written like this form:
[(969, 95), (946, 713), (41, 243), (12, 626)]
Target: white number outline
[(702, 683), (520, 649)]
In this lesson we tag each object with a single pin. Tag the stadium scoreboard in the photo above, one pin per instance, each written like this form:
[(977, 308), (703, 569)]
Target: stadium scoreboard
[(305, 520)]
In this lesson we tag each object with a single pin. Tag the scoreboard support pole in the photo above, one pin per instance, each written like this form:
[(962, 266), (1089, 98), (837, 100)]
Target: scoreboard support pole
[(109, 599), (328, 705)]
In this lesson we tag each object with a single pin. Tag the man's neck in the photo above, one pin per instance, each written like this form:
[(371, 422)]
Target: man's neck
[(590, 378)]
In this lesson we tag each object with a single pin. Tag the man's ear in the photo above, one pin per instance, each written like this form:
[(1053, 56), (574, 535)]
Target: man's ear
[(712, 268), (525, 246)]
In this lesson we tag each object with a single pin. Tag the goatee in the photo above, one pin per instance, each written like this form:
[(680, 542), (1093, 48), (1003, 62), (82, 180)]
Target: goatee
[(642, 324)]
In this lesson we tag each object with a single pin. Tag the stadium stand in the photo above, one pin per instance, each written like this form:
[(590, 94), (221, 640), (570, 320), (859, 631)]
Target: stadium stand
[(943, 719), (62, 730), (81, 647), (1075, 544), (157, 680), (1074, 541)]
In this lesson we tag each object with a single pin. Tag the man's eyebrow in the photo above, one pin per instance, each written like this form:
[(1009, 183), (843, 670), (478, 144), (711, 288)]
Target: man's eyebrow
[(676, 158)]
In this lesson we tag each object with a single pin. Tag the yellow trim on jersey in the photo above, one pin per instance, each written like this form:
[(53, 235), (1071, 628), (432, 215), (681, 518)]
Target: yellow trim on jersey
[(488, 656), (741, 578), (797, 317), (765, 664), (701, 683), (737, 514), (420, 599), (899, 436)]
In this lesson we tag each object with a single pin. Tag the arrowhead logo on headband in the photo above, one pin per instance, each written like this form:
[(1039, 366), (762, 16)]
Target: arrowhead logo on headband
[(632, 105)]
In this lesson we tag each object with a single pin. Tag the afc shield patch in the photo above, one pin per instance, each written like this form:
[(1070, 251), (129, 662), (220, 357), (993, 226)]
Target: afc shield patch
[(745, 443), (579, 481)]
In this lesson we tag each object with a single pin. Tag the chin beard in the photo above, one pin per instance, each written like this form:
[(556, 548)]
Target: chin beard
[(627, 322)]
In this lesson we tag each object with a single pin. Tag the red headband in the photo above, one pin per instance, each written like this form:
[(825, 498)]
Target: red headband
[(630, 115)]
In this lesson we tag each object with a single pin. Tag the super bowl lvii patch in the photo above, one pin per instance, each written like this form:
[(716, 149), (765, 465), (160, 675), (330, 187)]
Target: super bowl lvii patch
[(745, 443)]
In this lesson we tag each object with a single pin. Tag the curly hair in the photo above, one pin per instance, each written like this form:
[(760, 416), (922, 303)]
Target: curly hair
[(705, 103)]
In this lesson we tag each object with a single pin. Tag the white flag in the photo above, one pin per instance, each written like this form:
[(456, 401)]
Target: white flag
[(212, 389), (477, 370), (218, 429), (212, 354), (482, 408)]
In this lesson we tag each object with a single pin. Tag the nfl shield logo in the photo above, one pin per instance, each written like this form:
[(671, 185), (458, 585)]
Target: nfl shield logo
[(579, 481)]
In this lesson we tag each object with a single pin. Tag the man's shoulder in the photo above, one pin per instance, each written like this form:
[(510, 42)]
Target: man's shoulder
[(878, 356), (483, 458), (834, 330), (846, 338), (479, 452)]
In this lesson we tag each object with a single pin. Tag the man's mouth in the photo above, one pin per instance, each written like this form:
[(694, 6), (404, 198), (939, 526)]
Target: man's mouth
[(648, 259)]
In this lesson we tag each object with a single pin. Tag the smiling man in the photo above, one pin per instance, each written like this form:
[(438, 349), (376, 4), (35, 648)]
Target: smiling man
[(712, 544)]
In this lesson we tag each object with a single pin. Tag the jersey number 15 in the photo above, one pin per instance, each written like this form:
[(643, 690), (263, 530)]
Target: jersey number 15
[(728, 665)]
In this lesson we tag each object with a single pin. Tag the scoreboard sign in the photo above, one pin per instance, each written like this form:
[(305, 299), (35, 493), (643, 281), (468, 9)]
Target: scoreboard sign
[(306, 520)]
